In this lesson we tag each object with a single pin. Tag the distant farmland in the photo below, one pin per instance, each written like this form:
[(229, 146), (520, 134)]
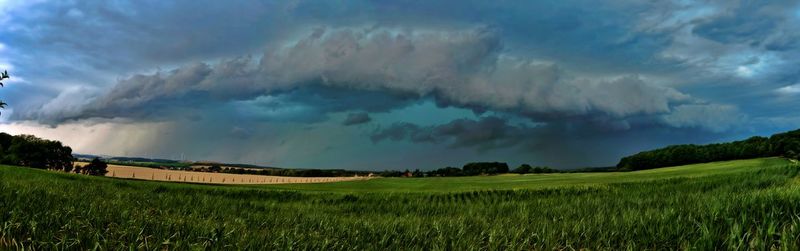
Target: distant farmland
[(157, 174), (744, 204)]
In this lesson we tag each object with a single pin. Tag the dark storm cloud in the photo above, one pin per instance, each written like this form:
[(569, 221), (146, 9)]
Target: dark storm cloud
[(716, 118), (459, 67), (462, 69), (619, 70), (356, 119), (313, 103), (755, 23), (121, 35), (55, 47), (735, 29), (483, 134), (560, 143)]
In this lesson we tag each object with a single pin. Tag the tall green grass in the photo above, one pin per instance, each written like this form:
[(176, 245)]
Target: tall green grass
[(754, 207), (531, 181)]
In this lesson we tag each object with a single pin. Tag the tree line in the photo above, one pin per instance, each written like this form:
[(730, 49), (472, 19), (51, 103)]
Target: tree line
[(471, 169), (28, 150), (785, 144), (34, 152)]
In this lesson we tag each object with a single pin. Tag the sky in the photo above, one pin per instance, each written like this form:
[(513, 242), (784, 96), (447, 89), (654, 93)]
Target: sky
[(375, 85)]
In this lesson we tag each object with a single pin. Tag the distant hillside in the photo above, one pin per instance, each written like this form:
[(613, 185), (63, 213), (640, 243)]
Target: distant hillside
[(124, 159), (160, 161), (138, 159), (206, 163), (785, 144)]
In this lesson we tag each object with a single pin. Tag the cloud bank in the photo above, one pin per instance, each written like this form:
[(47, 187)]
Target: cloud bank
[(372, 84), (465, 69)]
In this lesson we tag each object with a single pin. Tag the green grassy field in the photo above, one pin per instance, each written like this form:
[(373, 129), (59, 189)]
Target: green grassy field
[(516, 181), (746, 204)]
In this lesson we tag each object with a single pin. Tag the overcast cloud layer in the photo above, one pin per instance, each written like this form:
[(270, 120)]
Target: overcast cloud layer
[(398, 84)]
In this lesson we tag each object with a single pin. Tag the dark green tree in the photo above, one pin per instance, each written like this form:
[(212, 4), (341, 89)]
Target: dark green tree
[(488, 168), (543, 169), (523, 169), (28, 150), (446, 172), (215, 168), (96, 167), (785, 144)]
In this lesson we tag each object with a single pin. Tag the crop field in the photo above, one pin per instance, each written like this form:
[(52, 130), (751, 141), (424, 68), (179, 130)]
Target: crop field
[(746, 204), (156, 174), (533, 181)]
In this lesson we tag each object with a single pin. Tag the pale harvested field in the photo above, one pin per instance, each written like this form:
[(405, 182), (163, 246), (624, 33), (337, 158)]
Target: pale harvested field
[(144, 173)]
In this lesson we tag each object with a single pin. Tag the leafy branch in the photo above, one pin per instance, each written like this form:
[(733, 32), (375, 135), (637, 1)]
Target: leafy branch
[(3, 75)]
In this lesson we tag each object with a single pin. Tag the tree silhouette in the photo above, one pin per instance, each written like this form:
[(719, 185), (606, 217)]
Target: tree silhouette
[(523, 169), (215, 168), (31, 151), (96, 167), (3, 75)]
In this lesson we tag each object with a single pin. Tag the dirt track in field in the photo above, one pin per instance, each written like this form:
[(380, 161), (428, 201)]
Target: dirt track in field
[(144, 173)]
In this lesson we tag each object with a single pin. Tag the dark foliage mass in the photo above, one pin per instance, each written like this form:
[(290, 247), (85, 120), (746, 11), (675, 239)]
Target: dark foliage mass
[(97, 167), (782, 144), (28, 150), (472, 169), (525, 168), (485, 168), (446, 172)]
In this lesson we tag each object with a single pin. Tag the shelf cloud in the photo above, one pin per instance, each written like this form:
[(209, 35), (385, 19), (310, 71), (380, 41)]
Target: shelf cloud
[(273, 79)]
